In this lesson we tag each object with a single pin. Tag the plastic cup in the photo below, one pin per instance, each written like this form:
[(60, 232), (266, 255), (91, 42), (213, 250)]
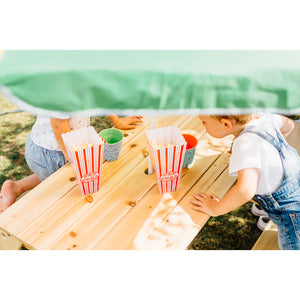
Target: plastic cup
[(113, 139), (192, 143)]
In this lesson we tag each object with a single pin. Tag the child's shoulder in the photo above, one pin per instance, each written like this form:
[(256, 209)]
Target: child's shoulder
[(274, 119), (246, 140)]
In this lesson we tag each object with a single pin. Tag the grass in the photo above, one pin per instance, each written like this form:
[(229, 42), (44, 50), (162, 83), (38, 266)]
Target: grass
[(14, 129), (234, 231)]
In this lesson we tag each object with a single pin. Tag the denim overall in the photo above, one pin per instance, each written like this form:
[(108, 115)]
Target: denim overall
[(283, 205)]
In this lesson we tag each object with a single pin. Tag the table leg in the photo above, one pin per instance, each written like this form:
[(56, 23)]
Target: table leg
[(9, 242)]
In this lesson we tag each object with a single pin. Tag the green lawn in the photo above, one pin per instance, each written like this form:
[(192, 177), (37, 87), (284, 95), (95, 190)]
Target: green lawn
[(236, 230)]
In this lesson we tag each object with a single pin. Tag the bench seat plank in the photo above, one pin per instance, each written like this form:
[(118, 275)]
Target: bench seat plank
[(268, 240)]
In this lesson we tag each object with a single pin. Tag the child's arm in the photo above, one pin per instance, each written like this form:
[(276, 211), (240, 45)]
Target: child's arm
[(126, 122), (60, 126), (239, 194), (287, 126)]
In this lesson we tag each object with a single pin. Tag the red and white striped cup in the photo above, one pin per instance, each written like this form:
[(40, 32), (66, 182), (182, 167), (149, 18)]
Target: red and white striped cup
[(85, 151), (167, 148)]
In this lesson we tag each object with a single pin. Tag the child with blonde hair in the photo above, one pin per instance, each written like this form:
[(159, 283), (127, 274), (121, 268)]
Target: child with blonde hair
[(267, 170)]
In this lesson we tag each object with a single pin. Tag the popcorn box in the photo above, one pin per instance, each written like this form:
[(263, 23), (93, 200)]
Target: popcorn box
[(167, 148), (85, 150)]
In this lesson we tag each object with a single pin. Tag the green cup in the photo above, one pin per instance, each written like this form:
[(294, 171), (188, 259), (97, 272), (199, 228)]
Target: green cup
[(113, 139)]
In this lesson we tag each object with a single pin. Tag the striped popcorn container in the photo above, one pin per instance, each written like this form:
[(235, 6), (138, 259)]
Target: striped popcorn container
[(167, 148), (85, 151)]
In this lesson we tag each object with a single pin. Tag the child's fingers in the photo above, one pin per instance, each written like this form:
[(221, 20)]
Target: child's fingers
[(135, 116), (196, 202), (137, 119), (200, 196), (133, 119), (127, 126), (196, 205)]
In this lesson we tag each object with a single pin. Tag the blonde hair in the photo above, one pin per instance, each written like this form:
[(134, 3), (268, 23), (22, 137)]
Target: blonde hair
[(240, 119)]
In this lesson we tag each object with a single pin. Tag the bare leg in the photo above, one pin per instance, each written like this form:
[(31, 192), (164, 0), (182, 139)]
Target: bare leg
[(12, 189)]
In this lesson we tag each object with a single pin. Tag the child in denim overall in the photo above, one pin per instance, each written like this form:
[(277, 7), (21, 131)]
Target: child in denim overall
[(268, 170)]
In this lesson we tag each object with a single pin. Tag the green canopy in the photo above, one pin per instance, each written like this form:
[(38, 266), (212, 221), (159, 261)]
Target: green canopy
[(60, 83)]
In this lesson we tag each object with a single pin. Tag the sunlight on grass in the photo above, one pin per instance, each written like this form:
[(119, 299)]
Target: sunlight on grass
[(237, 219), (14, 129), (4, 162)]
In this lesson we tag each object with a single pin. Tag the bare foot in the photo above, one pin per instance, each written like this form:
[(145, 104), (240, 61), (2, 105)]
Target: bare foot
[(8, 194)]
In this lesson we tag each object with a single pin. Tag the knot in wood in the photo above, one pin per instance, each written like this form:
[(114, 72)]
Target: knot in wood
[(73, 234), (88, 199), (145, 153), (72, 178), (133, 145), (131, 203)]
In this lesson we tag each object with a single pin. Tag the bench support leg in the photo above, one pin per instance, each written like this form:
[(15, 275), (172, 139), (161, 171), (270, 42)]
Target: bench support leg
[(9, 242), (268, 239)]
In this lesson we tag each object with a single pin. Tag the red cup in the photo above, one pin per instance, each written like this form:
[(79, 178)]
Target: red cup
[(191, 142)]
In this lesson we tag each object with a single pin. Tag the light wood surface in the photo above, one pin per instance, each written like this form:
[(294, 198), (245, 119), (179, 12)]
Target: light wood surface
[(7, 241), (128, 212), (268, 240)]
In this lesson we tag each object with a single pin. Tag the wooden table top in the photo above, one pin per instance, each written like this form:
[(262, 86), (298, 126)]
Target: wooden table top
[(128, 212)]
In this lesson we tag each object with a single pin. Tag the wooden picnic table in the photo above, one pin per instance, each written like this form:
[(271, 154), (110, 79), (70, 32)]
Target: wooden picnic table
[(128, 212)]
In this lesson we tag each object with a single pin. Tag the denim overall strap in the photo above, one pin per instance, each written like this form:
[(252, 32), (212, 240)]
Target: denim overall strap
[(263, 134), (266, 136), (289, 156)]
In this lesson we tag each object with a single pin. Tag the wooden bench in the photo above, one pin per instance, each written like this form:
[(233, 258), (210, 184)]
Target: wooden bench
[(268, 239)]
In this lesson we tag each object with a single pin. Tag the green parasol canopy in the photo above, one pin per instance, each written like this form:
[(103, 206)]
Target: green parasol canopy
[(94, 83)]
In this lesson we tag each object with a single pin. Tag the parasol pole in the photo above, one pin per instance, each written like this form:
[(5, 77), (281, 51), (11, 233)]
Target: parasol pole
[(152, 126)]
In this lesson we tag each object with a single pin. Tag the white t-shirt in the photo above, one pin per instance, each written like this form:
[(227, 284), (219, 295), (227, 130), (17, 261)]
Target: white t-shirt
[(251, 151), (42, 134)]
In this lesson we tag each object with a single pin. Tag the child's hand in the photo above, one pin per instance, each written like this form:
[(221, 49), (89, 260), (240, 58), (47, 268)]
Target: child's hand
[(128, 122), (205, 203)]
